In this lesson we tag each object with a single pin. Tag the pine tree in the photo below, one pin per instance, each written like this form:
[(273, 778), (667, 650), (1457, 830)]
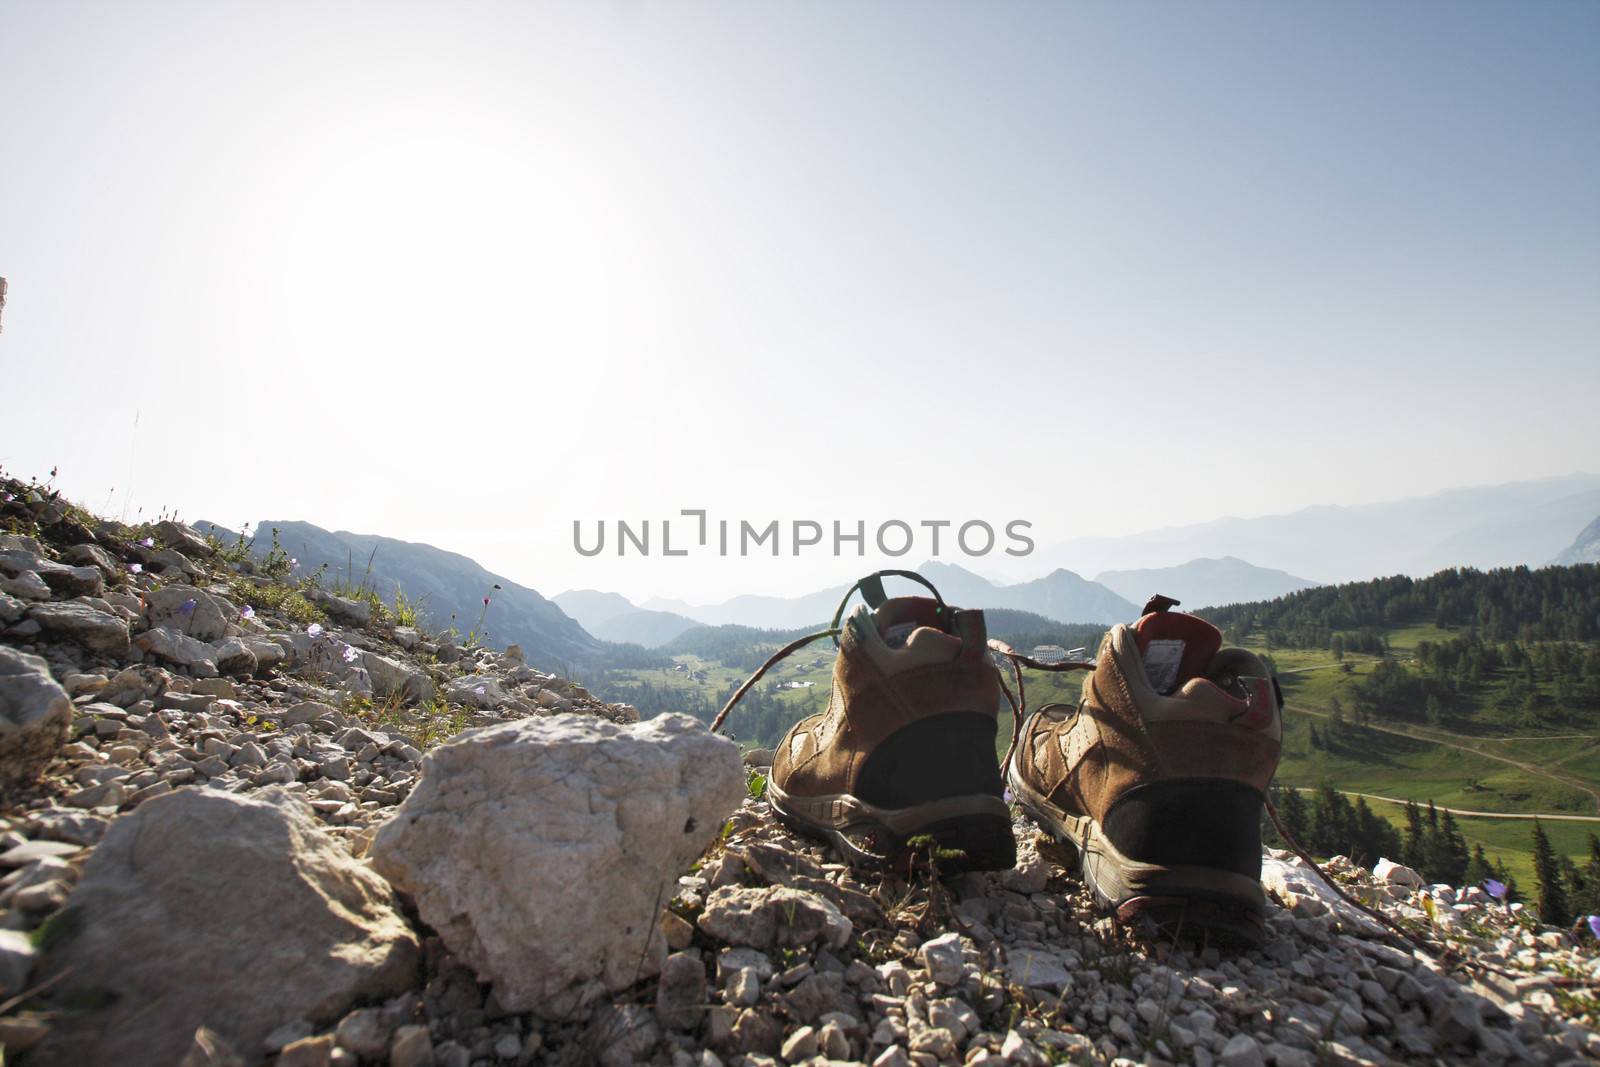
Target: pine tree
[(1585, 882), (1445, 852), (1327, 831), (1478, 869), (1547, 872), (1372, 837), (1293, 814), (1411, 847)]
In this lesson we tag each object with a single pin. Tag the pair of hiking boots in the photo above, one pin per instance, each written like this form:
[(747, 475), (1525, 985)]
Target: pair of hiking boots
[(1155, 779)]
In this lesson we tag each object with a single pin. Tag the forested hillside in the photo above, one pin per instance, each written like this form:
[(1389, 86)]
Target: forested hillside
[(1507, 604)]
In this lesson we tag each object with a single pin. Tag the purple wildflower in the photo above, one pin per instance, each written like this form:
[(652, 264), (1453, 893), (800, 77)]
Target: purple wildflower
[(135, 568), (293, 563), (1007, 795), (187, 607), (148, 542), (481, 690), (247, 612), (350, 654), (485, 601), (315, 629), (1594, 925), (1495, 888), (9, 498)]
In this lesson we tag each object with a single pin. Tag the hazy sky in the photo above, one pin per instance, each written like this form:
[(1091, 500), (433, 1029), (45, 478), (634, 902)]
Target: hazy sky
[(463, 273)]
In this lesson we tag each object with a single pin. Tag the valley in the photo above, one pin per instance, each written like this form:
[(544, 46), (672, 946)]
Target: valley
[(1516, 741)]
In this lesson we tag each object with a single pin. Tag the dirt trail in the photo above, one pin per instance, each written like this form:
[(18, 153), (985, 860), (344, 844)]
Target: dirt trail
[(1482, 814), (1531, 768)]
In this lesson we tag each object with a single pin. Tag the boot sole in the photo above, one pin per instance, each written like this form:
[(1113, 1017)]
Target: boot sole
[(978, 826), (1189, 903)]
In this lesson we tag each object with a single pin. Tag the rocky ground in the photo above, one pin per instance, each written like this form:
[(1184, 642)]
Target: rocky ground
[(236, 830)]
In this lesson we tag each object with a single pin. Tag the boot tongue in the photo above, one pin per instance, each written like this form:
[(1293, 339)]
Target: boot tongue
[(1174, 646), (899, 618)]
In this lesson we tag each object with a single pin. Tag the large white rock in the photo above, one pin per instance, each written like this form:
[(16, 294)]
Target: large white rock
[(62, 580), (233, 912), (76, 621), (191, 611), (366, 671), (172, 646), (35, 714), (390, 677), (1304, 892), (1394, 873), (764, 916), (476, 690), (543, 850)]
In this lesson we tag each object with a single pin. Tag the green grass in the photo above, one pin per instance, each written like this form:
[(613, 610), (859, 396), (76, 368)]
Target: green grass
[(1409, 768)]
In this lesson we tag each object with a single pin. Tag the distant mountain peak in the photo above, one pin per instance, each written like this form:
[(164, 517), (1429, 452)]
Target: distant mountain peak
[(1205, 582), (1586, 548)]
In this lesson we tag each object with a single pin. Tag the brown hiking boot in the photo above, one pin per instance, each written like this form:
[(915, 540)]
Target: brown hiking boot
[(906, 747), (1158, 776)]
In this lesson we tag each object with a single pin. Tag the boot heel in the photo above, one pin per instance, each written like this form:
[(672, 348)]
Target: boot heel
[(964, 843)]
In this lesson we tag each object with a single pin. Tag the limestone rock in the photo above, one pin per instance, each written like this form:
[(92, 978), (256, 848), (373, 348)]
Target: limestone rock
[(477, 690), (411, 1047), (1394, 873), (346, 610), (17, 956), (61, 579), (35, 715), (681, 991), (543, 850), (74, 621), (234, 656), (764, 916), (390, 677), (25, 586), (175, 647), (11, 609), (211, 908), (178, 536), (268, 653), (86, 555), (193, 612)]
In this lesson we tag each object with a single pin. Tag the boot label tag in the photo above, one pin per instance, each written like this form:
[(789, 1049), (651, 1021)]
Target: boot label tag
[(1161, 662)]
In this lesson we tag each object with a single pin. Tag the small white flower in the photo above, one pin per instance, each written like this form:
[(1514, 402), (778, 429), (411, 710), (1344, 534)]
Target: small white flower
[(315, 629), (350, 654)]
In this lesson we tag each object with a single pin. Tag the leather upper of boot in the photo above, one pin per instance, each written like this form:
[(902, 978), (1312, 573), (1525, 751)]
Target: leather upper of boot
[(910, 661), (1164, 701)]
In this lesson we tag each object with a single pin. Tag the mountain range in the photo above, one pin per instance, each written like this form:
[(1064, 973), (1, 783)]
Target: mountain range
[(1204, 583), (450, 586), (1528, 522), (1520, 523), (1060, 596)]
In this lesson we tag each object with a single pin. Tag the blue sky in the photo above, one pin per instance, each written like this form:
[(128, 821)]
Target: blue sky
[(464, 273)]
